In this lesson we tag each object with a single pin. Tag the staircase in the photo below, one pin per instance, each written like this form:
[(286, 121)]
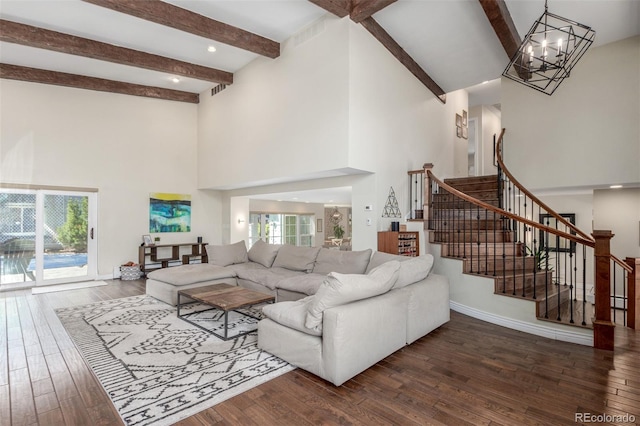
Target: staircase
[(491, 245)]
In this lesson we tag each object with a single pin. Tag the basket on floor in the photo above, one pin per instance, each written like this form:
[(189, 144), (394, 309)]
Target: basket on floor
[(128, 273)]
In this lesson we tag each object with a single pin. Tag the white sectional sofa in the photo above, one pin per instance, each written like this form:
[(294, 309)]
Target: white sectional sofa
[(285, 271), (336, 312), (353, 321)]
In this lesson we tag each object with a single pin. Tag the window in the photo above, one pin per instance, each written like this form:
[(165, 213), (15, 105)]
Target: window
[(281, 228), (291, 229), (306, 232)]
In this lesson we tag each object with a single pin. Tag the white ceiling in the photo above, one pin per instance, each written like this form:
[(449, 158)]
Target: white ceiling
[(452, 40)]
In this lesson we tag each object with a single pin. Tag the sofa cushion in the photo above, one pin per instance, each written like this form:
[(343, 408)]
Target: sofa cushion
[(266, 277), (246, 267), (263, 253), (340, 289), (296, 258), (190, 274), (228, 254), (291, 314), (344, 262), (413, 270), (303, 283), (379, 258)]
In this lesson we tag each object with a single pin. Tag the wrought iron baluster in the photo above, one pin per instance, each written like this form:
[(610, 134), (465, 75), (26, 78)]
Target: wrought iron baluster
[(523, 248), (546, 275), (462, 215), (535, 267), (584, 285), (478, 238), (625, 296), (571, 295), (557, 275), (495, 253), (615, 292)]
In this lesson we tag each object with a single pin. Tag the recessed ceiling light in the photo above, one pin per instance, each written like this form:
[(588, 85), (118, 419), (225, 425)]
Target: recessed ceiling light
[(615, 186), (211, 49), (175, 79)]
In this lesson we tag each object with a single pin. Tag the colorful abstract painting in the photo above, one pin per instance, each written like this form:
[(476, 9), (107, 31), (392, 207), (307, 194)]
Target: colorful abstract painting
[(169, 212)]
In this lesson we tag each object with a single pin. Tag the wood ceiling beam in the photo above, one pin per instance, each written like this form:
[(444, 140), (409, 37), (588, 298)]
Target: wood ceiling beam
[(26, 35), (340, 8), (184, 20), (363, 9), (34, 75), (396, 50), (360, 11), (502, 23)]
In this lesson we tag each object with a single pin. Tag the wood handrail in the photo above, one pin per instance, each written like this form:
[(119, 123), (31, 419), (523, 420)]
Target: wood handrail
[(530, 195), (550, 211), (622, 264), (450, 189)]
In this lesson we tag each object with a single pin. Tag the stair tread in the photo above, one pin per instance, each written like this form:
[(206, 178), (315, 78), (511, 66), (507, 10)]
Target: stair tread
[(565, 316), (476, 242), (472, 179)]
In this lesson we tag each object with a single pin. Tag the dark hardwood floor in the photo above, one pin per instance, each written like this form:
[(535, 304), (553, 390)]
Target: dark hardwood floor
[(466, 372)]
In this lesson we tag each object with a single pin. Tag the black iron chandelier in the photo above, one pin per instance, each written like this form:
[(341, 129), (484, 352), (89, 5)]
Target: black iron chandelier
[(551, 48)]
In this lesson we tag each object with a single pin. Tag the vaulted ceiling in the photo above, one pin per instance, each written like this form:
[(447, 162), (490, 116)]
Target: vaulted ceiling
[(161, 48)]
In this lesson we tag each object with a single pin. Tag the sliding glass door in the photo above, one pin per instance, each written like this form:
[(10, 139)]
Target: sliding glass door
[(46, 237)]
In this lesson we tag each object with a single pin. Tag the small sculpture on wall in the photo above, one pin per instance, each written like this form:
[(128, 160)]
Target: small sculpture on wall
[(391, 208)]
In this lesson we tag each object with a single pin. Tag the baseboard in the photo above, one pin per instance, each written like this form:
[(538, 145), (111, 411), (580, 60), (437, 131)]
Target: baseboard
[(535, 329), (108, 276)]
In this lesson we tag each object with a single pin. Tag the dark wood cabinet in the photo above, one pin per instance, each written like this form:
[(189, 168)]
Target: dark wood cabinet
[(404, 243), (165, 255)]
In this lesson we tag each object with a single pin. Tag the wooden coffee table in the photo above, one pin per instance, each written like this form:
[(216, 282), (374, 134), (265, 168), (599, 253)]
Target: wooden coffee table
[(224, 297)]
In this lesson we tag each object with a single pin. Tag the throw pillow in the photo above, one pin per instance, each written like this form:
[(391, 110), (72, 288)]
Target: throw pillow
[(263, 253), (296, 258), (291, 314), (227, 254), (345, 262), (340, 289), (379, 258), (303, 283), (414, 270)]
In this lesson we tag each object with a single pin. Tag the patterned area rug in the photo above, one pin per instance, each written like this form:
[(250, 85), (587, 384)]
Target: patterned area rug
[(158, 369)]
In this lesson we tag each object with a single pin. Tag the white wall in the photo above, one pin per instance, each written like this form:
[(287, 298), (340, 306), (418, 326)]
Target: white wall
[(579, 203), (338, 100), (238, 211), (125, 146), (395, 125), (588, 132), (618, 210), (284, 117)]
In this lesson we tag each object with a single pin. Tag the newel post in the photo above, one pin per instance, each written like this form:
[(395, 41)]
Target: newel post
[(633, 313), (603, 328), (427, 196)]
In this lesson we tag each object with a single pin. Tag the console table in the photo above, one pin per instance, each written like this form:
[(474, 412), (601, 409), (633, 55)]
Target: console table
[(162, 255)]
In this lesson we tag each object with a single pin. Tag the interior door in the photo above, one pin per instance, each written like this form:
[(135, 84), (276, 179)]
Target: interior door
[(46, 237)]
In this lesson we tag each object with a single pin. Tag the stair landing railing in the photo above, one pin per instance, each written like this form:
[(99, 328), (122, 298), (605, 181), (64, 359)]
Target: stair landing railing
[(622, 275), (565, 262)]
